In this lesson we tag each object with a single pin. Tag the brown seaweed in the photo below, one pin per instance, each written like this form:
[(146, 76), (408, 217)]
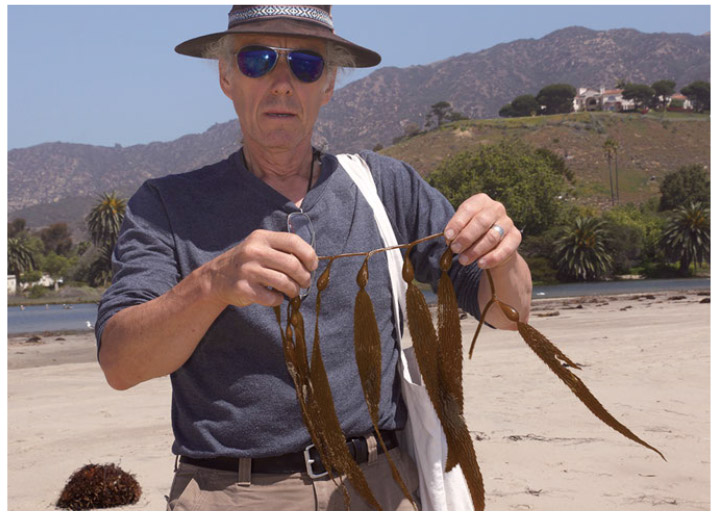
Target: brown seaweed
[(316, 402), (439, 357), (367, 348), (446, 404), (552, 356), (96, 486), (450, 351)]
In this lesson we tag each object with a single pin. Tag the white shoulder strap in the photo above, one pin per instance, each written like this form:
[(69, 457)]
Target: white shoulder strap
[(360, 173)]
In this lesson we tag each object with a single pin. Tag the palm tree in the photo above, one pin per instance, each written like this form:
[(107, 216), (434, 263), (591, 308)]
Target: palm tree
[(100, 271), (610, 148), (687, 236), (104, 222), (581, 252), (607, 148), (19, 256), (105, 219)]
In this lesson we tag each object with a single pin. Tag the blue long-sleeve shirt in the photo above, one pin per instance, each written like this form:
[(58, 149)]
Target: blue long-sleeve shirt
[(234, 396)]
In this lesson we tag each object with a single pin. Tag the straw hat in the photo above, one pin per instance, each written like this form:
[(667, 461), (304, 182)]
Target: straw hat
[(283, 20)]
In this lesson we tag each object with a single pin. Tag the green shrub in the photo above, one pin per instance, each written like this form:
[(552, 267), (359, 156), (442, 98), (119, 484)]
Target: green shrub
[(37, 292), (541, 270)]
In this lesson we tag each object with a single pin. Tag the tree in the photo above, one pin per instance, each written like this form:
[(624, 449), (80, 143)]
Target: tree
[(438, 111), (16, 227), (527, 181), (690, 183), (100, 270), (56, 265), (19, 256), (698, 92), (581, 252), (442, 112), (663, 89), (506, 111), (105, 219), (610, 147), (57, 238), (641, 94), (687, 235), (103, 222), (629, 233), (557, 98), (522, 106)]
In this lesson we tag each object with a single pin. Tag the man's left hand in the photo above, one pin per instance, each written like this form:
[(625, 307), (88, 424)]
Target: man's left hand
[(472, 233)]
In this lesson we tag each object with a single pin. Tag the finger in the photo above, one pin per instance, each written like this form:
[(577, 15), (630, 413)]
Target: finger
[(472, 220), (276, 255), (501, 254), (489, 240), (266, 296), (264, 286), (295, 245)]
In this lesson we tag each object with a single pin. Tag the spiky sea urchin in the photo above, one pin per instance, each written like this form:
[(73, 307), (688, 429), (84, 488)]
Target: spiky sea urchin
[(95, 486)]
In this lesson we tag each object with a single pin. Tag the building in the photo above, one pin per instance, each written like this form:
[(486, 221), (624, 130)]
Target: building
[(589, 99), (682, 100)]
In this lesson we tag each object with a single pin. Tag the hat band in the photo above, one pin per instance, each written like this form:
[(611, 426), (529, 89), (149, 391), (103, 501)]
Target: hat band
[(281, 11)]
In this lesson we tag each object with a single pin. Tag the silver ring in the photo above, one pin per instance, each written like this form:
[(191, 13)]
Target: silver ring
[(498, 229)]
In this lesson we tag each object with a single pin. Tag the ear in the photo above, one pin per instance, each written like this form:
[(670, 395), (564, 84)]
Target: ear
[(329, 88), (225, 80)]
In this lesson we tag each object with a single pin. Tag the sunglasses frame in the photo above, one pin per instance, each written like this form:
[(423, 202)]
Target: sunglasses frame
[(279, 51), (291, 228)]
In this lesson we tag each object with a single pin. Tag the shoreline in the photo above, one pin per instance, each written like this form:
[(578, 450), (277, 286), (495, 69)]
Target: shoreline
[(535, 302)]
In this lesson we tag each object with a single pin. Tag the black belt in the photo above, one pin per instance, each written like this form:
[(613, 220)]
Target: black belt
[(307, 460)]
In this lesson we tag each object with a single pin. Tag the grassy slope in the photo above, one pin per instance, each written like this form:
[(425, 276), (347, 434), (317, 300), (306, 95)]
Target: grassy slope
[(650, 147)]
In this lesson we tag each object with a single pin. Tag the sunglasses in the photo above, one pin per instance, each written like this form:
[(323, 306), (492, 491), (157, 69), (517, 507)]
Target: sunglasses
[(258, 60), (299, 223)]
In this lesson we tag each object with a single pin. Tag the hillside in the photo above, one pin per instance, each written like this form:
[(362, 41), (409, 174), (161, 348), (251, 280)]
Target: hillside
[(650, 147), (58, 181)]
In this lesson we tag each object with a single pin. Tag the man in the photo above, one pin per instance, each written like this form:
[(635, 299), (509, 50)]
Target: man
[(203, 256)]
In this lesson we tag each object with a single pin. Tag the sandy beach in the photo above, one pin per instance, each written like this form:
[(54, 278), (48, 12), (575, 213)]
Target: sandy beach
[(645, 357)]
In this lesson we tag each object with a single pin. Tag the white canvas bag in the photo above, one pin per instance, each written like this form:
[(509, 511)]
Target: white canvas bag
[(423, 436)]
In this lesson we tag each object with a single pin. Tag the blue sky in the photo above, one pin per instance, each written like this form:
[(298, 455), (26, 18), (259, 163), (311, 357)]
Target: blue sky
[(108, 74)]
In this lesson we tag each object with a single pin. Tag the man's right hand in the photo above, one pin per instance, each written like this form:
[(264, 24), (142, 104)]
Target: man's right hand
[(261, 269), (156, 338)]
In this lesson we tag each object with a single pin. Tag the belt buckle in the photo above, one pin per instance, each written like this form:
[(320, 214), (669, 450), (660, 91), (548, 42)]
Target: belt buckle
[(310, 463)]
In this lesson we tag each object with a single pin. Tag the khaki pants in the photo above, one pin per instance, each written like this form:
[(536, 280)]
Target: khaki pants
[(196, 488)]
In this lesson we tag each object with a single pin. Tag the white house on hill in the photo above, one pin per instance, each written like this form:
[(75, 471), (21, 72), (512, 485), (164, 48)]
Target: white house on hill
[(589, 99)]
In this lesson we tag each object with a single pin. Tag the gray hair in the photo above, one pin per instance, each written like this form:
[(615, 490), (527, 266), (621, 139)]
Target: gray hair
[(338, 58)]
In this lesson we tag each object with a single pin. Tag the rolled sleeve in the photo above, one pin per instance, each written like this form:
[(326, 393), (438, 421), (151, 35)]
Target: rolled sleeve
[(144, 262)]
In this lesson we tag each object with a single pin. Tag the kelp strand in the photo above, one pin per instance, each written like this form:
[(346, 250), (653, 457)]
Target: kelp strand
[(450, 349), (367, 348), (439, 357), (551, 356), (426, 345)]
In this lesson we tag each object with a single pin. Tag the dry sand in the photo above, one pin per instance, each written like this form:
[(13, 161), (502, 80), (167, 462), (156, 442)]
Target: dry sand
[(646, 358)]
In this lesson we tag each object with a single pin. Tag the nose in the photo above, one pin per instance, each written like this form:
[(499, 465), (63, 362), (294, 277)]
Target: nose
[(281, 77)]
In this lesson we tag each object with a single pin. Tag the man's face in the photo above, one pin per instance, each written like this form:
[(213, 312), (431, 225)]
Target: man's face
[(276, 110)]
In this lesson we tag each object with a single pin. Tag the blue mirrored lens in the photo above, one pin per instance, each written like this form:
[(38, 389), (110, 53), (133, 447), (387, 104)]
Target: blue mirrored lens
[(307, 66), (256, 61)]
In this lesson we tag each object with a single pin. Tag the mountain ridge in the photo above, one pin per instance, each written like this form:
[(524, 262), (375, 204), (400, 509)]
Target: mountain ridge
[(372, 110)]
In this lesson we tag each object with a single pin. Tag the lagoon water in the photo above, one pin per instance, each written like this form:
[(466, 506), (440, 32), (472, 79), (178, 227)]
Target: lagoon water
[(35, 319), (53, 317)]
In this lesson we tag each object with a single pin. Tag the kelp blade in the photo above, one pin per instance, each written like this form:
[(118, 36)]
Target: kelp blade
[(450, 351), (425, 343), (367, 349), (336, 448), (548, 352)]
